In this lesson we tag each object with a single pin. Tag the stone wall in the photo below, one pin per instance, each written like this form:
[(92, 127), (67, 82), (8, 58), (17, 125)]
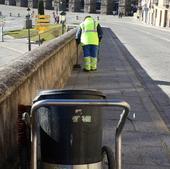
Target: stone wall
[(74, 5), (46, 67)]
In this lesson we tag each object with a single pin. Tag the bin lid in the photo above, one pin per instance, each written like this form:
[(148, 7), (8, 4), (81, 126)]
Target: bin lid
[(63, 92)]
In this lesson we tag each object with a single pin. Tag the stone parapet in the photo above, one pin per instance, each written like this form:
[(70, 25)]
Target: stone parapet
[(46, 67)]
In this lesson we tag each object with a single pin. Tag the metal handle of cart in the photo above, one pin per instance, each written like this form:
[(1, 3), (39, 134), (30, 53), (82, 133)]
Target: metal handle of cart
[(80, 102)]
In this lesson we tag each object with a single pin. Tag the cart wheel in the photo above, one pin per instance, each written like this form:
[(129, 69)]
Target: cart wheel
[(107, 158)]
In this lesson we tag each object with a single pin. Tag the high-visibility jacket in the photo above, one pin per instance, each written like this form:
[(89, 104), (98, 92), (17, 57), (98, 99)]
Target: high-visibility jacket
[(89, 34)]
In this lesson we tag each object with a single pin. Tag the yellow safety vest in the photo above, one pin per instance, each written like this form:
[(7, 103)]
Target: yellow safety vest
[(89, 35)]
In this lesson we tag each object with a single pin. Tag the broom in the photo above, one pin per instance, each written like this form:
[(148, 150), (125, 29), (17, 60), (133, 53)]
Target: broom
[(77, 65)]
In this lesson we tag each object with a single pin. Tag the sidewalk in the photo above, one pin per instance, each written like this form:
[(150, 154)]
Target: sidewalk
[(146, 139), (11, 49)]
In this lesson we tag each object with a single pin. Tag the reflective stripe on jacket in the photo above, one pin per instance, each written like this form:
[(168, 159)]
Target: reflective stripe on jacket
[(89, 35)]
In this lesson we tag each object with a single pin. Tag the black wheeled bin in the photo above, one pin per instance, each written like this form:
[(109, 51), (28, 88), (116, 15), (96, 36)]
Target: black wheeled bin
[(70, 135)]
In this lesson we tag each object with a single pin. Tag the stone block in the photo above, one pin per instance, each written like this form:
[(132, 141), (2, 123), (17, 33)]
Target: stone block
[(74, 5), (106, 7), (48, 4), (90, 6), (46, 67)]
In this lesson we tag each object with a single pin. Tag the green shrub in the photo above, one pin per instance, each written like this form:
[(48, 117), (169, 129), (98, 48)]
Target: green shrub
[(53, 32)]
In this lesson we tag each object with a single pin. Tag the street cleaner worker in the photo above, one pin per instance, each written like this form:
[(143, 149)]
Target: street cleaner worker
[(89, 34)]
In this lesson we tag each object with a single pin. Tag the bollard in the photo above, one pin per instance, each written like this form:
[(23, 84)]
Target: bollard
[(97, 17), (0, 13), (10, 14), (77, 18), (19, 15)]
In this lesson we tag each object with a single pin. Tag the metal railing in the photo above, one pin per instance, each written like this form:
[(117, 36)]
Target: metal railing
[(79, 102)]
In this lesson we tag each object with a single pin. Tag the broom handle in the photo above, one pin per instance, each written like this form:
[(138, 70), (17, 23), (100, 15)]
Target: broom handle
[(77, 53), (98, 52)]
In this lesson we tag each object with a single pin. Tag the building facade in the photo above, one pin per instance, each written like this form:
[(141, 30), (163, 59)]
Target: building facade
[(155, 12)]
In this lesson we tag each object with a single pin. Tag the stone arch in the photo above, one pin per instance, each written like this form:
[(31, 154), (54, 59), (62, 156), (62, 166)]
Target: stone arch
[(10, 2), (2, 1), (74, 6), (48, 4), (98, 4), (35, 3), (22, 3), (107, 7), (90, 6)]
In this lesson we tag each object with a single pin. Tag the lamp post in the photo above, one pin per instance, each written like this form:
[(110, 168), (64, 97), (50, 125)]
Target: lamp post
[(63, 20), (28, 26), (2, 31), (2, 28)]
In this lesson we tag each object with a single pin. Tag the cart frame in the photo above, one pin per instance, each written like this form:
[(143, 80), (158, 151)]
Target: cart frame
[(80, 102)]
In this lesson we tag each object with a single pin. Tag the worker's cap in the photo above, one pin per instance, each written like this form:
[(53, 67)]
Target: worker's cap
[(88, 17)]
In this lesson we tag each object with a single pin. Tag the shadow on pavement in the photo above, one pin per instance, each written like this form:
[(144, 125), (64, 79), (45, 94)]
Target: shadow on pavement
[(159, 98)]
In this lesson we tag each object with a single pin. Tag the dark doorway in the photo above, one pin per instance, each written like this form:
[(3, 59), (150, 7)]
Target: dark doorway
[(49, 4), (165, 18), (82, 4), (67, 4), (2, 1), (115, 7), (98, 4), (12, 2)]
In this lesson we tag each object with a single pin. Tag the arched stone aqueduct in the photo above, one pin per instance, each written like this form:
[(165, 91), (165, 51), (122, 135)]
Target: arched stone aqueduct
[(106, 6)]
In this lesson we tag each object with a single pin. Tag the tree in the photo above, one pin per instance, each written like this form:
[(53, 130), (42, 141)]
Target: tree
[(40, 7)]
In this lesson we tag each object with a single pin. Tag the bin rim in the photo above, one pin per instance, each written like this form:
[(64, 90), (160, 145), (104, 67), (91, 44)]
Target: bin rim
[(69, 92)]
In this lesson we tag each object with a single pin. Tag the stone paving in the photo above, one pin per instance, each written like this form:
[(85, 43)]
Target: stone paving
[(146, 140)]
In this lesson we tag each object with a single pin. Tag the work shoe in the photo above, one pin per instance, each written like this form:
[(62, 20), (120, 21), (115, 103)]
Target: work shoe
[(85, 70), (93, 69), (93, 64), (86, 62)]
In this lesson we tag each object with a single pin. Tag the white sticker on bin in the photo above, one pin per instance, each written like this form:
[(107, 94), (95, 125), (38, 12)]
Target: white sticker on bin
[(84, 119)]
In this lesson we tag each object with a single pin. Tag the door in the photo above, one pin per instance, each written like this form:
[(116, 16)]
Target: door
[(165, 18)]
